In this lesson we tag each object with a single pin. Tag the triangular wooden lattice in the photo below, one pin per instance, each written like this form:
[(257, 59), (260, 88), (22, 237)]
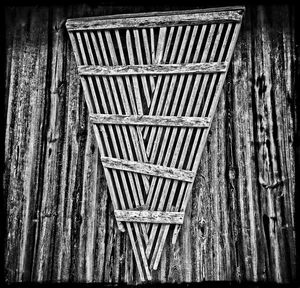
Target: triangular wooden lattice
[(152, 83)]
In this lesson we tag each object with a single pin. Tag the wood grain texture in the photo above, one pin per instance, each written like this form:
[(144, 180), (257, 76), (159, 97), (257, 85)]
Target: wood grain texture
[(150, 216), (152, 69), (154, 21), (149, 169), (239, 224), (147, 120)]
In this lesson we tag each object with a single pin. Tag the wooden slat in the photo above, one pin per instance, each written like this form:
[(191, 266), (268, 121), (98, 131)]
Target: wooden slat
[(197, 155), (136, 194), (128, 197), (168, 44), (162, 13), (184, 44), (147, 120), (180, 45), (163, 81), (160, 44), (130, 105), (136, 102), (75, 48), (152, 45), (141, 62), (178, 98), (148, 169), (174, 78), (149, 216), (98, 23), (135, 86), (89, 101), (123, 206), (191, 44), (116, 180), (212, 67), (178, 95), (135, 184), (89, 98), (186, 192), (183, 98)]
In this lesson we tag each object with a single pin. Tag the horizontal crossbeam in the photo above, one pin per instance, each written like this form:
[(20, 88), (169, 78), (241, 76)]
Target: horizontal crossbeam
[(210, 67), (149, 216), (147, 120), (148, 169), (156, 19)]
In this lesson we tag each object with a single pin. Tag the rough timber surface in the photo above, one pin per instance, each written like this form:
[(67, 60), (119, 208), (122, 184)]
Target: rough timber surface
[(239, 223), (152, 69), (150, 216), (157, 19), (146, 120), (149, 169)]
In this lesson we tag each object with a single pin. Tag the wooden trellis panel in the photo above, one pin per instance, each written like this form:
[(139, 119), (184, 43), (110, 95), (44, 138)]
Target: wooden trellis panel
[(152, 83)]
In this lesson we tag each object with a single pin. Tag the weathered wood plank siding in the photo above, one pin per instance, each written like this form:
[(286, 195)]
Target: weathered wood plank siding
[(239, 223)]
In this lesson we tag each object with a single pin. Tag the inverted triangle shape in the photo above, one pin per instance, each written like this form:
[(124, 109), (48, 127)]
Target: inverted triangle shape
[(152, 110)]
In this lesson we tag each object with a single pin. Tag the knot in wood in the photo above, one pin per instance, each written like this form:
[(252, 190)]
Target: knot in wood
[(232, 173)]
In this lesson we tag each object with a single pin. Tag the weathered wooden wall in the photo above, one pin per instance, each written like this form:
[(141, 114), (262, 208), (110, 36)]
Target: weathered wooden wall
[(60, 225)]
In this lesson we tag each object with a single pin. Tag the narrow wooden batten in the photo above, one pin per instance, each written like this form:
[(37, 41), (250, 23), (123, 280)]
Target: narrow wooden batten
[(146, 120), (158, 19), (212, 67), (158, 217), (148, 169)]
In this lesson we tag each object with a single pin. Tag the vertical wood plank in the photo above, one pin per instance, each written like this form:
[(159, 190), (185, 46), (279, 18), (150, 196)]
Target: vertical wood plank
[(25, 136), (241, 164)]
